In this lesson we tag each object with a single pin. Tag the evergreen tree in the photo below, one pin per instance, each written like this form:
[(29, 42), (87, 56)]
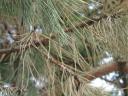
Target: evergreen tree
[(48, 46)]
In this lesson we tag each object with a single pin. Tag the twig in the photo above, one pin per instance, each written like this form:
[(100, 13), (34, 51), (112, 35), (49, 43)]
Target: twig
[(46, 40)]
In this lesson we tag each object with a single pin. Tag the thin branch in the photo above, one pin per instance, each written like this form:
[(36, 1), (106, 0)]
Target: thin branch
[(96, 72), (46, 40), (84, 24), (105, 69), (102, 70), (121, 66)]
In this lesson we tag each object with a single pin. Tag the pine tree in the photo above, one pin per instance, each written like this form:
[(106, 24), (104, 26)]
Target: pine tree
[(49, 46)]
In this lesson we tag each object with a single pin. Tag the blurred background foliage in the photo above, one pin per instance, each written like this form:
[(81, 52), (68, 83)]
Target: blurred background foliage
[(57, 67)]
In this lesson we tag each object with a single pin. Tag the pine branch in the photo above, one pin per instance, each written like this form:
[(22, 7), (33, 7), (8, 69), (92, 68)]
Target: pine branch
[(18, 48), (93, 74), (46, 40), (120, 66), (102, 70), (105, 69), (84, 24)]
